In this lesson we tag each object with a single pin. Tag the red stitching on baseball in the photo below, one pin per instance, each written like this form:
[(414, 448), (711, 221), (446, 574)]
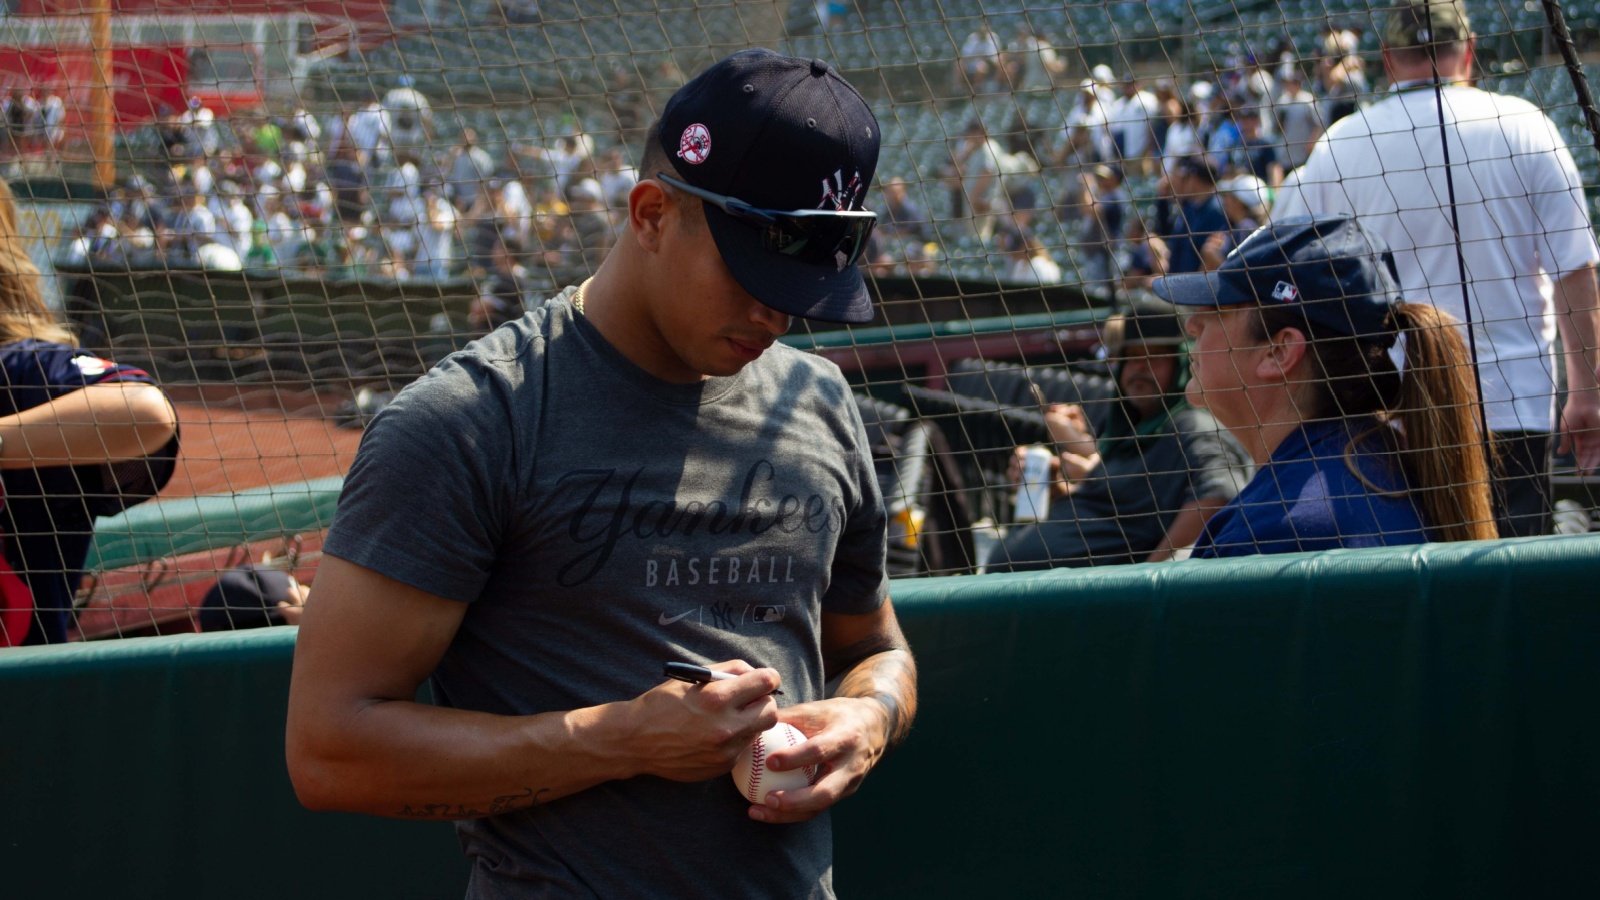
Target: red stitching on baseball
[(758, 764)]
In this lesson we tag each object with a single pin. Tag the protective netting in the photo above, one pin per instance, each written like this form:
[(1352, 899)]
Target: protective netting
[(285, 212)]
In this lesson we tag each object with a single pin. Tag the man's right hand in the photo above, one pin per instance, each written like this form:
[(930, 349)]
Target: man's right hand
[(692, 732)]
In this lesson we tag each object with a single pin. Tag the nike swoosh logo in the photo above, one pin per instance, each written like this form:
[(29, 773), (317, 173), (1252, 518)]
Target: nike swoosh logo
[(668, 620)]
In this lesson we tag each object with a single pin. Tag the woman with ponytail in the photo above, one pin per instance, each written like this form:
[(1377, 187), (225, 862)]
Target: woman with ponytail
[(1359, 409)]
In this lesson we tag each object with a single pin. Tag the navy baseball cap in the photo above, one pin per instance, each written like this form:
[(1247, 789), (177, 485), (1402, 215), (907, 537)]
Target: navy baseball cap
[(777, 133), (245, 597), (1338, 274)]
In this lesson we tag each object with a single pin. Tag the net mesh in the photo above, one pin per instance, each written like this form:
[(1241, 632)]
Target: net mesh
[(284, 212)]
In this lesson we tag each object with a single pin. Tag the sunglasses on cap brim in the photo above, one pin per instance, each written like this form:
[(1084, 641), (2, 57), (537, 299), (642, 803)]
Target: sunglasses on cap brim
[(816, 236)]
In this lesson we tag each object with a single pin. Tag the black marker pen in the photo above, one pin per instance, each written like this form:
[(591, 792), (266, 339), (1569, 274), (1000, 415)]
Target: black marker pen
[(694, 674)]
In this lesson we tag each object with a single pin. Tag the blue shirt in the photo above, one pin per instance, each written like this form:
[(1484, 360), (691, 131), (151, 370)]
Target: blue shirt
[(49, 513), (1307, 498), (1191, 227)]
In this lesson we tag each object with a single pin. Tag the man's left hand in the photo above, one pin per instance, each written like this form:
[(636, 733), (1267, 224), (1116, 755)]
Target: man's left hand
[(845, 738)]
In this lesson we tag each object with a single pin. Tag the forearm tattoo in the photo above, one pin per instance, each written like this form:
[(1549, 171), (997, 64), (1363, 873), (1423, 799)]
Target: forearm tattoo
[(527, 798), (881, 669)]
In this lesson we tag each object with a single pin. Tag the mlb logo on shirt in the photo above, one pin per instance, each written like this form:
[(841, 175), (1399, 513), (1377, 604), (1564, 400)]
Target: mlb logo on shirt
[(1284, 292)]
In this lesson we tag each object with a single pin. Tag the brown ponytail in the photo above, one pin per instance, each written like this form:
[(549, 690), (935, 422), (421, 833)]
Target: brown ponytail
[(1434, 403), (1443, 445)]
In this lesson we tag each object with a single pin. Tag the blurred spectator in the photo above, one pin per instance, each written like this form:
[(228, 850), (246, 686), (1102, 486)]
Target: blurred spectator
[(1102, 210), (407, 118), (1245, 201), (1298, 118), (978, 164), (1139, 485), (1031, 63), (348, 181), (590, 221), (436, 248), (1256, 153), (1027, 260), (505, 293), (617, 178), (1226, 136), (365, 134), (902, 216), (260, 254), (21, 114), (979, 68), (253, 596), (570, 152), (1130, 119), (1182, 136), (1086, 136), (469, 167), (1195, 215)]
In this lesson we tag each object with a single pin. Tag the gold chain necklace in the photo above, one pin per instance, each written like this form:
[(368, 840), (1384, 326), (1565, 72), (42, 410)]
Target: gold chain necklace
[(577, 299)]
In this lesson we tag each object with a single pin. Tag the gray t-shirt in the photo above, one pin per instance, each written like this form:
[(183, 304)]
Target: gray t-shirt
[(600, 522)]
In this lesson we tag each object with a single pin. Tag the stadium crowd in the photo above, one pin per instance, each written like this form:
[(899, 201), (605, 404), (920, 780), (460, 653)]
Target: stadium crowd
[(375, 190), (363, 192)]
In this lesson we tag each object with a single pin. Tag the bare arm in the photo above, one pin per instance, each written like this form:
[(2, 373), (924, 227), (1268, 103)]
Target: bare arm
[(101, 423), (1186, 527), (1577, 303), (869, 712), (358, 742)]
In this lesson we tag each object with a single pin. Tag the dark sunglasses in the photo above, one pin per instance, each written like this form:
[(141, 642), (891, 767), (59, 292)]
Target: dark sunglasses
[(817, 236)]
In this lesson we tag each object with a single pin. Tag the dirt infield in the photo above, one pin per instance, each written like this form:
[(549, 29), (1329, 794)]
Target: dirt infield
[(236, 440)]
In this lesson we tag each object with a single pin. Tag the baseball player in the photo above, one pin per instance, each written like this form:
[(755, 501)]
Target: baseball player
[(631, 473)]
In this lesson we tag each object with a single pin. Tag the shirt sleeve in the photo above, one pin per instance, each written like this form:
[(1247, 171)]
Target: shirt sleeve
[(424, 502), (1216, 464), (860, 579)]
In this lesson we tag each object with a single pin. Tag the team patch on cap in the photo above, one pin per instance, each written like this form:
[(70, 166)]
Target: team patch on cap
[(1285, 292), (695, 144)]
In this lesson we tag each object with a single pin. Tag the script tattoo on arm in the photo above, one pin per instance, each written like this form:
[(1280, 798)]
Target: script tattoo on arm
[(881, 668), (527, 798)]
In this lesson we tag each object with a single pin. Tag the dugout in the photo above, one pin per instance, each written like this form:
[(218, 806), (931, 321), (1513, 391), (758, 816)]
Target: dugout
[(1406, 722)]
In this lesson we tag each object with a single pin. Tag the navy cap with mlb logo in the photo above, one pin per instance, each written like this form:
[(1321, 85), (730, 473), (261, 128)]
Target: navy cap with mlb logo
[(777, 133), (1339, 275)]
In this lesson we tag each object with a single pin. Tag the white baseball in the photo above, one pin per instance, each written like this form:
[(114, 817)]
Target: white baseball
[(750, 772)]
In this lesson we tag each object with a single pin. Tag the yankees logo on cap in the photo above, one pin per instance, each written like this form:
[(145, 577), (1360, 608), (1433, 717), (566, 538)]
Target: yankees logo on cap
[(695, 144)]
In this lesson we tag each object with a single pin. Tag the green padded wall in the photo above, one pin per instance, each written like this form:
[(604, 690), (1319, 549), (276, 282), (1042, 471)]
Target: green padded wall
[(1394, 723)]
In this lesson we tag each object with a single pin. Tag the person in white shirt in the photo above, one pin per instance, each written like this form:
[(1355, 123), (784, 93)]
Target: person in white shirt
[(1087, 133), (366, 131), (1525, 241), (238, 218), (1130, 117), (407, 117), (436, 251), (1031, 63), (979, 65), (1027, 261), (617, 178)]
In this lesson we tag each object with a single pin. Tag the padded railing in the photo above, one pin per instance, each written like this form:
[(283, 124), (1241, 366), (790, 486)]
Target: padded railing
[(1380, 723)]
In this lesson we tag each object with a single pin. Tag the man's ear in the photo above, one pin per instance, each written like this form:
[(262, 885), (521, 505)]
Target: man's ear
[(648, 206), (1284, 353)]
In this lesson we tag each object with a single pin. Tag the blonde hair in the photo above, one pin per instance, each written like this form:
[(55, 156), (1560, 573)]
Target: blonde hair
[(1440, 443), (23, 313)]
